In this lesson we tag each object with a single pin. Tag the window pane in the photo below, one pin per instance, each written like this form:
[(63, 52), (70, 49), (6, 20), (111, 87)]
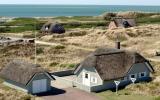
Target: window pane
[(86, 75), (142, 74), (132, 76)]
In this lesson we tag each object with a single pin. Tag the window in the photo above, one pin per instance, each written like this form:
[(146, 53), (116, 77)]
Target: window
[(86, 76), (133, 76), (142, 74), (124, 79), (93, 80)]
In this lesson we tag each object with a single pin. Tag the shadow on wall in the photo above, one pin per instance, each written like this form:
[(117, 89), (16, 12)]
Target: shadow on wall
[(53, 91)]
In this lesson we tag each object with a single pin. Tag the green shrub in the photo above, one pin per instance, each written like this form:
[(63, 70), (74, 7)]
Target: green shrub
[(59, 47), (53, 64), (63, 65), (126, 93), (67, 65), (71, 65), (39, 50)]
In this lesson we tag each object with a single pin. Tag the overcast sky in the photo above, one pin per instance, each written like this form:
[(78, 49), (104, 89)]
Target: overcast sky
[(91, 2)]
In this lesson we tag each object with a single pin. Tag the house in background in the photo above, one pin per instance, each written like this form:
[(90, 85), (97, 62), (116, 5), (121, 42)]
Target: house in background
[(27, 77), (52, 27), (122, 23), (102, 67)]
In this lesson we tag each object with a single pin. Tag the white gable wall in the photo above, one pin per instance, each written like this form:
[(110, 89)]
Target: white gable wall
[(93, 74)]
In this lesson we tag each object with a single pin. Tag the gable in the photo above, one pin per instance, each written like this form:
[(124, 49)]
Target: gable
[(112, 25), (92, 71), (138, 68), (40, 76)]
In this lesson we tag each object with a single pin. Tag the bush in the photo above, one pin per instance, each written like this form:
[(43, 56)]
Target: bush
[(59, 47), (68, 65), (71, 65), (39, 50), (63, 65), (126, 93), (53, 64)]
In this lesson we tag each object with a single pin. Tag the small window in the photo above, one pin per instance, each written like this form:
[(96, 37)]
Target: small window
[(86, 76), (133, 76), (142, 74), (124, 79), (93, 80)]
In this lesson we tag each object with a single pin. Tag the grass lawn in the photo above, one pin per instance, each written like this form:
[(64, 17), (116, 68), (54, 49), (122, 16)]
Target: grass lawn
[(123, 95)]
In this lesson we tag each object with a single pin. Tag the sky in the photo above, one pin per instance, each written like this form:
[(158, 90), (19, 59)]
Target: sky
[(84, 2)]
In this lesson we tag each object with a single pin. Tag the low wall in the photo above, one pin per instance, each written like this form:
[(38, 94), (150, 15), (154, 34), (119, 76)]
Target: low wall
[(63, 73), (72, 83), (67, 82), (82, 87)]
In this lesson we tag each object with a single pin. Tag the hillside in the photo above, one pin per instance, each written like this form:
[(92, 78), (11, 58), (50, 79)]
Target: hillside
[(83, 36), (78, 43)]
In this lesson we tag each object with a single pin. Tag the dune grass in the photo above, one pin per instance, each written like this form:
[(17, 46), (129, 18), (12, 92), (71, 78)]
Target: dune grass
[(123, 95)]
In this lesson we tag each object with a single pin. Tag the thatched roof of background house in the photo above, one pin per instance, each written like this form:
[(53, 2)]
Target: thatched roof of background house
[(20, 71), (53, 27), (124, 22), (111, 63)]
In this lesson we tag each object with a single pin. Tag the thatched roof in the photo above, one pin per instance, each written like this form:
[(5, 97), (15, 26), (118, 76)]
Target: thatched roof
[(124, 22), (53, 27), (20, 71), (111, 63)]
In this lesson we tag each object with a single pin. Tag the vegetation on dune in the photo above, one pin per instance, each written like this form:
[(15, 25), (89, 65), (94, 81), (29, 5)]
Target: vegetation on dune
[(21, 25), (157, 98), (59, 47), (39, 51), (79, 41), (67, 65), (123, 95), (148, 20), (128, 14), (7, 93), (33, 24), (78, 18), (71, 25)]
